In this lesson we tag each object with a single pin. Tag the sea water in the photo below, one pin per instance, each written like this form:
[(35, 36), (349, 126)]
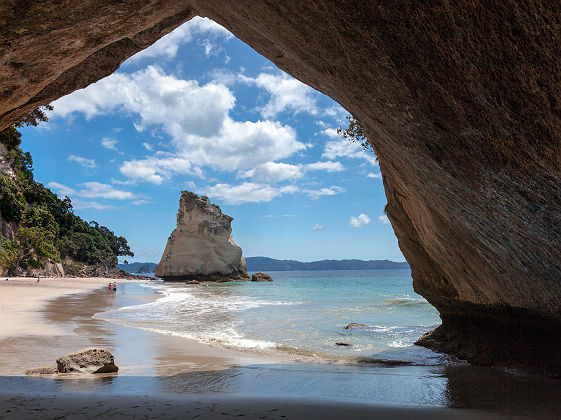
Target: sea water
[(301, 314)]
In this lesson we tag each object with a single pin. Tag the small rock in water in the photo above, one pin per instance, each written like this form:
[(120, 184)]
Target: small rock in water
[(261, 277), (91, 360), (353, 325), (42, 370), (193, 282), (340, 343)]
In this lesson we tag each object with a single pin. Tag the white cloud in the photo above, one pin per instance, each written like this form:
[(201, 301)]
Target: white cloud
[(373, 175), (82, 161), (140, 202), (84, 204), (286, 93), (196, 117), (109, 143), (274, 172), (167, 46), (315, 194), (248, 192), (328, 166), (340, 147), (178, 106), (61, 189), (384, 219), (99, 190), (318, 227), (360, 221), (147, 146), (241, 145), (156, 169)]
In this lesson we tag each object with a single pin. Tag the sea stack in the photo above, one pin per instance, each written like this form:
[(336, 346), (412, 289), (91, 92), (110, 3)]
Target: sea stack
[(202, 246)]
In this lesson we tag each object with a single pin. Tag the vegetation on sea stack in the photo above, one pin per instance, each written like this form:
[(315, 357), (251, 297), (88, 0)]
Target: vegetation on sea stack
[(47, 228)]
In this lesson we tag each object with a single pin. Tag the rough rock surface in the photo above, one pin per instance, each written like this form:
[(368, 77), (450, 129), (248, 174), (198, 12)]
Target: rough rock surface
[(91, 360), (261, 277), (202, 246), (42, 370), (460, 100), (354, 325)]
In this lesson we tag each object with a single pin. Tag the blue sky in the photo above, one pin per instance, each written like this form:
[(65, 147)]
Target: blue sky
[(200, 110)]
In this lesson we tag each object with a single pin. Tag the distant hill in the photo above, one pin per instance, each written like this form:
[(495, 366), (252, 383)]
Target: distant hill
[(138, 267), (270, 264)]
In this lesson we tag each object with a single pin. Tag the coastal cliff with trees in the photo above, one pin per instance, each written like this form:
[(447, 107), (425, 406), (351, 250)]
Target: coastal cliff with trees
[(39, 231)]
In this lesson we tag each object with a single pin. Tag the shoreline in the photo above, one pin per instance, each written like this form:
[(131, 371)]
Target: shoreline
[(56, 316), (24, 297), (167, 376)]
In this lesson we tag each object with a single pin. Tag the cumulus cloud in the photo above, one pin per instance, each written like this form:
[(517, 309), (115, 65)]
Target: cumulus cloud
[(272, 172), (318, 227), (339, 147), (315, 194), (109, 143), (61, 189), (178, 106), (93, 190), (167, 46), (98, 190), (82, 161), (360, 221), (328, 166), (286, 93), (384, 219), (196, 117), (85, 204), (147, 146), (248, 192), (155, 169), (373, 175)]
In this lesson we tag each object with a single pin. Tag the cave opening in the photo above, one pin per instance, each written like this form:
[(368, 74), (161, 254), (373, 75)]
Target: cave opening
[(468, 142)]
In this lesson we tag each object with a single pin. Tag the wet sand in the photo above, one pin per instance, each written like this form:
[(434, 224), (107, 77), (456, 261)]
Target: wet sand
[(173, 377)]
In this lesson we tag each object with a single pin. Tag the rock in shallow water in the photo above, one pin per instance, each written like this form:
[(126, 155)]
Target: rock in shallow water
[(354, 325), (261, 277), (91, 360)]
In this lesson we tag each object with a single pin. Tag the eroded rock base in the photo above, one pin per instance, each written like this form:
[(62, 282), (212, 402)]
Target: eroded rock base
[(217, 278), (511, 339)]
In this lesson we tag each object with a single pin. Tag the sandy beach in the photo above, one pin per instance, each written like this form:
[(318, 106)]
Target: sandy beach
[(23, 297), (160, 376)]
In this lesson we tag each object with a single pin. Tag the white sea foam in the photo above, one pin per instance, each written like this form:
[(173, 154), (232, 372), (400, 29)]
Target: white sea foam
[(292, 318)]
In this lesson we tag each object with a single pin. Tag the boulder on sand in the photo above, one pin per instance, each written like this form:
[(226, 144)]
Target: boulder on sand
[(91, 360), (261, 277)]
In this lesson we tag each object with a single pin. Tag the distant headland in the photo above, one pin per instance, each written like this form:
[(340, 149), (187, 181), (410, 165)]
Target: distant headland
[(271, 264)]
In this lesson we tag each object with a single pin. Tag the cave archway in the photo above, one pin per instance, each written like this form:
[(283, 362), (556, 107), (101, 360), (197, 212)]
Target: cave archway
[(460, 102)]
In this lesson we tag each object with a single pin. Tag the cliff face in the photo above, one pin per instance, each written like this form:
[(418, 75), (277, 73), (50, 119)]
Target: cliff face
[(459, 99), (201, 246)]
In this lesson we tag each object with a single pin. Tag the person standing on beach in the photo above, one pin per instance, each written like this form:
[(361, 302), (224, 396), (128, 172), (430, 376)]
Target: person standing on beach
[(115, 286), (38, 278), (109, 287)]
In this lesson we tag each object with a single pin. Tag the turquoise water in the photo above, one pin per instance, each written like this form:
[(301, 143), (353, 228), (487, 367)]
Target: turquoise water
[(301, 314)]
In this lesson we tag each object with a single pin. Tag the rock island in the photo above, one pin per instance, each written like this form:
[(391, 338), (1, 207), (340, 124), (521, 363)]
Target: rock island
[(201, 247)]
